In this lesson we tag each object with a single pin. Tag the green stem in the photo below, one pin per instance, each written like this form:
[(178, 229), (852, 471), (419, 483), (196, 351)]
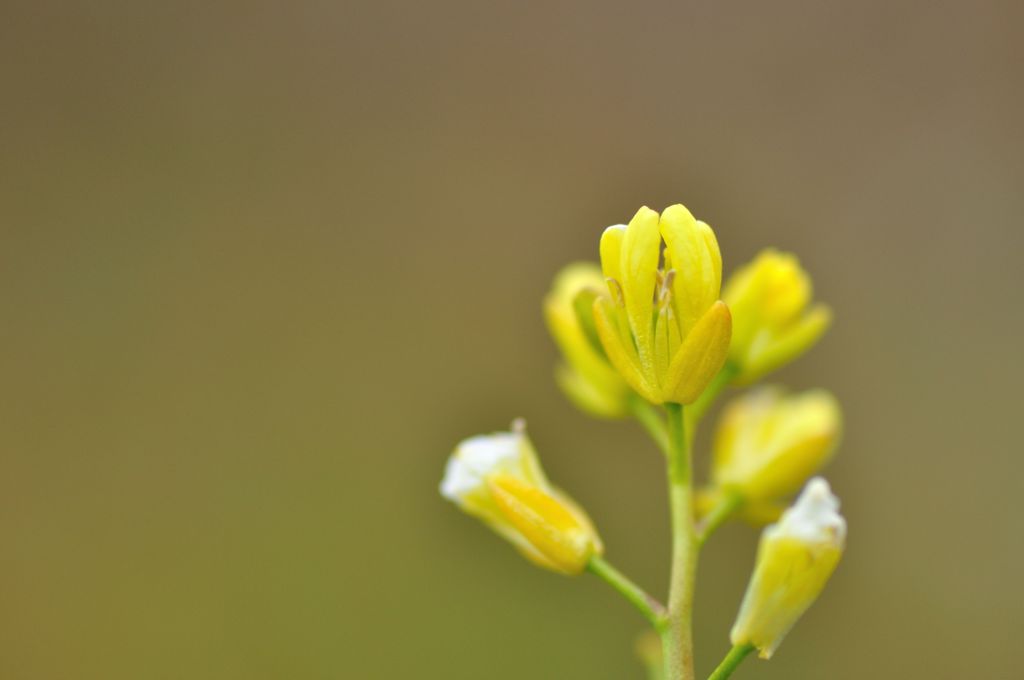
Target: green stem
[(721, 380), (731, 661), (677, 638), (648, 417), (730, 502), (653, 610)]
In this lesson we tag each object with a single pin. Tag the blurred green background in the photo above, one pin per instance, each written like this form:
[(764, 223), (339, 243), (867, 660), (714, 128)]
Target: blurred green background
[(263, 265)]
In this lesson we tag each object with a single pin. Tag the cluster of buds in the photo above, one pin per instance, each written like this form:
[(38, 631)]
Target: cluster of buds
[(651, 325)]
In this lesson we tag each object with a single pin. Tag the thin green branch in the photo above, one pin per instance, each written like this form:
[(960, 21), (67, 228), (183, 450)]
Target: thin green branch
[(653, 610), (731, 661), (697, 409), (727, 506), (649, 418)]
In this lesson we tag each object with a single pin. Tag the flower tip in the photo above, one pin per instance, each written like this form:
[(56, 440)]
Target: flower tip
[(645, 214), (821, 314), (459, 479), (677, 211), (474, 458), (815, 516)]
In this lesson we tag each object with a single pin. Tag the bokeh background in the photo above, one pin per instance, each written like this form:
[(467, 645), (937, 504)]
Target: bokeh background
[(263, 264)]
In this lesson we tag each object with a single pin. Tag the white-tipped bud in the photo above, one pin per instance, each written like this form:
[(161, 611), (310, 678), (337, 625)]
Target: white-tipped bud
[(795, 559), (498, 479)]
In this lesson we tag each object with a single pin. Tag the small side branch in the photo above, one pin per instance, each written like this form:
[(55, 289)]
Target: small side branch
[(652, 610), (723, 510), (731, 661), (704, 402), (649, 418)]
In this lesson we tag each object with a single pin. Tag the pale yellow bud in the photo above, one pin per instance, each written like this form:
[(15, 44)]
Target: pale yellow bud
[(769, 443), (586, 376), (773, 321), (664, 329), (795, 559), (498, 479)]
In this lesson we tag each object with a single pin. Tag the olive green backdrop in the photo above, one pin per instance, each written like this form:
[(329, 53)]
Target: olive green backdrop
[(262, 266)]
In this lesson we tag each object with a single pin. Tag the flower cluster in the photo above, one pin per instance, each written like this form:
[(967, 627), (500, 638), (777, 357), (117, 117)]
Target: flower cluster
[(666, 334), (651, 333)]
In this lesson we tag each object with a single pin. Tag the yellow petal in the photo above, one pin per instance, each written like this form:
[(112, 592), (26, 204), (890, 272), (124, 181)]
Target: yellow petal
[(591, 396), (786, 288), (622, 357), (545, 522), (573, 278), (611, 251), (502, 527), (589, 380), (567, 328), (583, 310), (804, 433), (711, 243), (701, 355), (529, 462), (581, 516), (740, 294), (789, 578), (768, 443), (771, 325), (639, 267), (791, 468), (791, 343), (693, 252)]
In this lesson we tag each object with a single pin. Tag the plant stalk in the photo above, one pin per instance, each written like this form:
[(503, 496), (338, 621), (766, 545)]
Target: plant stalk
[(731, 661), (677, 638)]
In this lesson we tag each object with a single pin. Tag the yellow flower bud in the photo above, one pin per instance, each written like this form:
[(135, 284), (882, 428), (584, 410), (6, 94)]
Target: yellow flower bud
[(794, 561), (769, 443), (773, 322), (498, 479), (664, 329), (586, 377)]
